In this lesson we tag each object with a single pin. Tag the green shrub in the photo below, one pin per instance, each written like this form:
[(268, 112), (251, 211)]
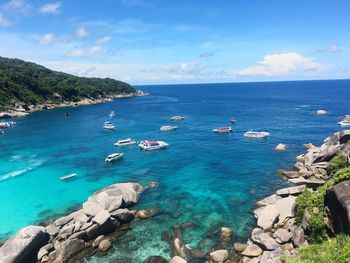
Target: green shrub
[(313, 203), (338, 162), (335, 250)]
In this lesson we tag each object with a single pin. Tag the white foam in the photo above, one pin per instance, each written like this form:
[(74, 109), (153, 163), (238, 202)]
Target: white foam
[(21, 171)]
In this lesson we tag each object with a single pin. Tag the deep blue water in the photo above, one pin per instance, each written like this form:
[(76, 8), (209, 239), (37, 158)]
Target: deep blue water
[(211, 180)]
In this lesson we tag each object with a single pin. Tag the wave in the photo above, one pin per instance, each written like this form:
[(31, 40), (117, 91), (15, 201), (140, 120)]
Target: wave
[(21, 171)]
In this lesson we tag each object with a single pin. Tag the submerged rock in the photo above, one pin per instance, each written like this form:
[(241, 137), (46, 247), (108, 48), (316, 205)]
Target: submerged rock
[(226, 233), (146, 213), (24, 246), (104, 245), (156, 259)]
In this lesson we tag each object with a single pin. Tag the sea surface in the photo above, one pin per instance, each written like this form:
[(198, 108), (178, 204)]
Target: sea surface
[(206, 179)]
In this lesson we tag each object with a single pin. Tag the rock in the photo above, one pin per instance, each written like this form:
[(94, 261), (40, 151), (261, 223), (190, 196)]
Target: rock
[(326, 154), (146, 213), (337, 200), (294, 190), (288, 174), (92, 208), (268, 200), (321, 112), (280, 147), (239, 247), (272, 256), (305, 220), (252, 251), (97, 241), (226, 233), (101, 217), (298, 236), (24, 246), (69, 248), (64, 220), (309, 183), (42, 252), (177, 259), (156, 259), (152, 185), (309, 145), (104, 245), (123, 215), (286, 208), (255, 260), (66, 230), (287, 246), (180, 248), (220, 255), (282, 236), (263, 239), (268, 216), (52, 230)]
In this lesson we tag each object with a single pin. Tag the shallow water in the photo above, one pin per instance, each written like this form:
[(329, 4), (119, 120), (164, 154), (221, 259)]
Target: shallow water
[(211, 180)]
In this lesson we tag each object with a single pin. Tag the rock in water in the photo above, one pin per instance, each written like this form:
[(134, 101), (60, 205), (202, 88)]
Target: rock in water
[(104, 245), (226, 233), (220, 255), (321, 112), (338, 202), (156, 259), (24, 246), (280, 147)]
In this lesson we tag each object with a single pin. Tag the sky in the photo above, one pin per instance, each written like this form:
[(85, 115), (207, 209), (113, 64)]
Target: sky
[(182, 41)]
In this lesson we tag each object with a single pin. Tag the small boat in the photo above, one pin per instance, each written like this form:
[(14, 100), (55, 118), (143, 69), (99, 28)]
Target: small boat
[(66, 177), (113, 157), (109, 126), (253, 134), (344, 123), (2, 132), (177, 118), (7, 124), (223, 129), (153, 145), (125, 142), (233, 120), (168, 128), (111, 114)]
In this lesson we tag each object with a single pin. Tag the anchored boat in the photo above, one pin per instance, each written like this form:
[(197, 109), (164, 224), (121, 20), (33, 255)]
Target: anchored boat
[(66, 177), (177, 118), (168, 128), (253, 134), (223, 129), (113, 157), (125, 142), (153, 145), (109, 126)]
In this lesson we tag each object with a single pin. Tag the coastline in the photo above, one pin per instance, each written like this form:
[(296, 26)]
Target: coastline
[(22, 111)]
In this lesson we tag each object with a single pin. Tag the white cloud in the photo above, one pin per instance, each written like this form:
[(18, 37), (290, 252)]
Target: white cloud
[(20, 5), (330, 49), (81, 32), (3, 21), (50, 8), (103, 40), (280, 64), (91, 51), (47, 39)]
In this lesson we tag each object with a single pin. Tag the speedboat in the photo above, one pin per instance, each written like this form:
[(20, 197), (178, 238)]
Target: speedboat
[(177, 118), (153, 145), (223, 129), (109, 126), (344, 123), (66, 177), (125, 142), (111, 114), (114, 157), (168, 128), (233, 120), (253, 134)]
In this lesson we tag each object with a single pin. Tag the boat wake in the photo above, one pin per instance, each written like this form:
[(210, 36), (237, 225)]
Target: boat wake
[(18, 172)]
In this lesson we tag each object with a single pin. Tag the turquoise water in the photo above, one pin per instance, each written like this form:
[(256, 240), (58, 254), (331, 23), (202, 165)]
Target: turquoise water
[(211, 180)]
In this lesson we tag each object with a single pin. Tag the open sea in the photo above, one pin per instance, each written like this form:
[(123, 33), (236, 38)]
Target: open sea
[(210, 180)]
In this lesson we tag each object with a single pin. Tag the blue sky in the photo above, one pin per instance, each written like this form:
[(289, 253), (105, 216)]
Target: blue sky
[(159, 41)]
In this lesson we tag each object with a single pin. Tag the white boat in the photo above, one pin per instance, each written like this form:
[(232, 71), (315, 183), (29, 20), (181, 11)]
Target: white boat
[(66, 177), (153, 145), (177, 118), (108, 126), (223, 129), (111, 114), (344, 123), (168, 128), (253, 134), (114, 157), (125, 142)]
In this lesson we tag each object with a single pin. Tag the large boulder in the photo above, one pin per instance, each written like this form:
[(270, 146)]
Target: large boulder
[(282, 236), (69, 248), (263, 239), (338, 202), (24, 246), (123, 215), (286, 208), (293, 190), (268, 216), (268, 200), (177, 259), (252, 251), (220, 255)]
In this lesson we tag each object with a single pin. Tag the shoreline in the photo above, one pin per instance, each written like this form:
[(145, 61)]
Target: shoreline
[(22, 111)]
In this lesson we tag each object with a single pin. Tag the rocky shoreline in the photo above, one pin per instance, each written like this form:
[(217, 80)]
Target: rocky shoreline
[(21, 110)]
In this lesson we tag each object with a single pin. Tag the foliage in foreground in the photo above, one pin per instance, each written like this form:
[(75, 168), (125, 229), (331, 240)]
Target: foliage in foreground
[(313, 203), (30, 83), (335, 250), (338, 162)]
